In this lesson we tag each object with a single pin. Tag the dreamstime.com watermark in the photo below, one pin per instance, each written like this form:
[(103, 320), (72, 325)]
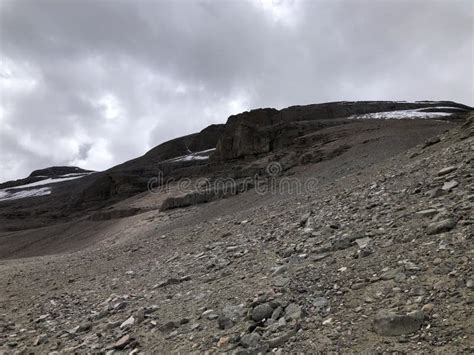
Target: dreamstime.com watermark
[(271, 182)]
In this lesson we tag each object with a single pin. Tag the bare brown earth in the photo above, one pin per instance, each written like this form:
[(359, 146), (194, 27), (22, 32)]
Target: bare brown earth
[(274, 272)]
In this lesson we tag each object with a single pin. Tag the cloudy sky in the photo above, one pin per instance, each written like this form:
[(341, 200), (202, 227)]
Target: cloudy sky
[(93, 83)]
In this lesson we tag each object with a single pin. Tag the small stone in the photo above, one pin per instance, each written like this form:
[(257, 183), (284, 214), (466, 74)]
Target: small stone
[(120, 305), (210, 314), (293, 311), (230, 315), (279, 270), (391, 324), (281, 281), (250, 340), (444, 268), (224, 322), (395, 274), (280, 340), (320, 302), (427, 213), (103, 313), (437, 192), (173, 281), (195, 326), (223, 341), (172, 334), (304, 218), (319, 257), (440, 227), (277, 313), (168, 326), (327, 321), (427, 309), (363, 252), (140, 316), (447, 170), (432, 141), (363, 242), (357, 285), (449, 185), (83, 327), (122, 342), (40, 339), (41, 318), (128, 323), (261, 312), (112, 325), (410, 266)]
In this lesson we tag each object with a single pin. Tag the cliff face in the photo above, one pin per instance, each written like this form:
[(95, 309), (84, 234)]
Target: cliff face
[(264, 130)]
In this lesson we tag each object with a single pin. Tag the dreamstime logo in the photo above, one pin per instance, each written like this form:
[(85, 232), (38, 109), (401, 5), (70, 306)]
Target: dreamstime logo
[(270, 182), (274, 169)]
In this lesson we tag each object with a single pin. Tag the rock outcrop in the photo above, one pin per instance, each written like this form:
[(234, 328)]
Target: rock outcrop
[(264, 130)]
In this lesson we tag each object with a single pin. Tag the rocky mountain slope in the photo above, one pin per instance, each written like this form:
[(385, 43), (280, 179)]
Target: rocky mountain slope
[(373, 255), (241, 148)]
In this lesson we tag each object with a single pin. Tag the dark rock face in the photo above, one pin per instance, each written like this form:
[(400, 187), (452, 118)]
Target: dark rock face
[(264, 130), (198, 197), (107, 186), (242, 135), (206, 139), (132, 176)]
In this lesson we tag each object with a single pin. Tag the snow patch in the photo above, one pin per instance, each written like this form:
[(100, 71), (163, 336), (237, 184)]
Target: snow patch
[(400, 114), (23, 191), (8, 196), (75, 174), (202, 155), (442, 108), (50, 181)]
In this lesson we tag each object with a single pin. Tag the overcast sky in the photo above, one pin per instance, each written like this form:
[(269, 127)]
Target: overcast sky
[(93, 83)]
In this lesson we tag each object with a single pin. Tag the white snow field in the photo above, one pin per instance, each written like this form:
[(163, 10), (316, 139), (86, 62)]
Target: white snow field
[(22, 191), (15, 195), (402, 114)]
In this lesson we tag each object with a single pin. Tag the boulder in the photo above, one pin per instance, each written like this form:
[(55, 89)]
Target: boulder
[(442, 226), (261, 312), (390, 324)]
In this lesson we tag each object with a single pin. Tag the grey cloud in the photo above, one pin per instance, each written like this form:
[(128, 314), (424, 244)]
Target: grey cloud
[(95, 83)]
